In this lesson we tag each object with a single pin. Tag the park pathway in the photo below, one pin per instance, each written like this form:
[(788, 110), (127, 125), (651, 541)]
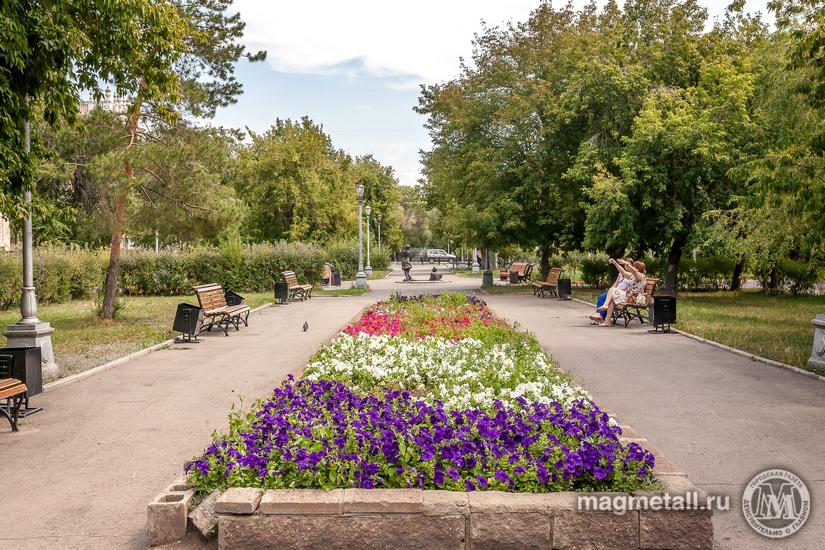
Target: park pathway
[(721, 417), (79, 474)]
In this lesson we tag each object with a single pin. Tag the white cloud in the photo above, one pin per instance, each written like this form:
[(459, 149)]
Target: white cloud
[(423, 39), (384, 38)]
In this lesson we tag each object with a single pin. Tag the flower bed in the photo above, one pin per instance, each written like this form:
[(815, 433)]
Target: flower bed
[(427, 392)]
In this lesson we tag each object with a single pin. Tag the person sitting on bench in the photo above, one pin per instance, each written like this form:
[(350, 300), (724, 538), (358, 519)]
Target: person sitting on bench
[(634, 273), (600, 314), (435, 275)]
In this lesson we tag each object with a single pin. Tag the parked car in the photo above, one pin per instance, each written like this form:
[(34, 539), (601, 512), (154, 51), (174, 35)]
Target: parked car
[(434, 255)]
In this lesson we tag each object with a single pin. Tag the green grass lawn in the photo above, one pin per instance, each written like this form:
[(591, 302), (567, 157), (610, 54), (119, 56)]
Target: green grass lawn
[(379, 273), (524, 288), (774, 327), (339, 291), (82, 340), (468, 273)]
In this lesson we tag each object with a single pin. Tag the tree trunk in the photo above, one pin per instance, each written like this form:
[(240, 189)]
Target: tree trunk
[(774, 288), (614, 271), (672, 269), (110, 289), (736, 280), (545, 262)]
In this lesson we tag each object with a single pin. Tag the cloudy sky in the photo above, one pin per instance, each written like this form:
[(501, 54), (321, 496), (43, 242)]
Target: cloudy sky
[(355, 66)]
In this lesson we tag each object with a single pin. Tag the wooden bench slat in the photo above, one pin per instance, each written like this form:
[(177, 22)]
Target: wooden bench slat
[(10, 387), (212, 300)]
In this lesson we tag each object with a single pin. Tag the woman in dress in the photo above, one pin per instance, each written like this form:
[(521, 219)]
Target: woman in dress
[(632, 285)]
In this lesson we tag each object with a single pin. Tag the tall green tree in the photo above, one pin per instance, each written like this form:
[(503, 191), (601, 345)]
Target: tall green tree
[(52, 49), (297, 185), (500, 144), (202, 69)]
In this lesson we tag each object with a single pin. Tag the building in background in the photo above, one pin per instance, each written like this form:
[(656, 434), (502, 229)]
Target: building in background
[(5, 234), (111, 102)]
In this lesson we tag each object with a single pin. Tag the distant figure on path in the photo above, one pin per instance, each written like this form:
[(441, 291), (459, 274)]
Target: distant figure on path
[(435, 275), (406, 266)]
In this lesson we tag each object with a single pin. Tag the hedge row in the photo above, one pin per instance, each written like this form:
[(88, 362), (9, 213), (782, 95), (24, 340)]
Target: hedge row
[(69, 274), (710, 273)]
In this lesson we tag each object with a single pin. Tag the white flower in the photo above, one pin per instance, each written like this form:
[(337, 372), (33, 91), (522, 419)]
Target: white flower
[(463, 374)]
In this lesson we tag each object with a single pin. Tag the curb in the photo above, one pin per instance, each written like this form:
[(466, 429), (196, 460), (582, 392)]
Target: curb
[(751, 356), (117, 362)]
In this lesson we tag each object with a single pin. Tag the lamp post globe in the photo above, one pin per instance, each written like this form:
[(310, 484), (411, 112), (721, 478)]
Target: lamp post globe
[(360, 277), (368, 269)]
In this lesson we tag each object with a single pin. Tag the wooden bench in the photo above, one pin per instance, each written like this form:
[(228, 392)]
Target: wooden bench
[(628, 312), (14, 392), (212, 299), (296, 289), (540, 288), (524, 271)]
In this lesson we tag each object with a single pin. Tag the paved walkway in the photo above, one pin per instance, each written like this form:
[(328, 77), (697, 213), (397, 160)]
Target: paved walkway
[(80, 473)]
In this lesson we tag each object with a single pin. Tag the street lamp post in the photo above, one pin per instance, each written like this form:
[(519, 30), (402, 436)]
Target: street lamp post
[(487, 276), (360, 277), (368, 269), (29, 331), (378, 219)]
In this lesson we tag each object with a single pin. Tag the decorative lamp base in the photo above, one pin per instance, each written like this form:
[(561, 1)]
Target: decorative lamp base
[(361, 280), (34, 335)]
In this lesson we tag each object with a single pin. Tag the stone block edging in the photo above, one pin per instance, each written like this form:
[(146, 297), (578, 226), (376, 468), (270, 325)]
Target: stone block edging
[(308, 519)]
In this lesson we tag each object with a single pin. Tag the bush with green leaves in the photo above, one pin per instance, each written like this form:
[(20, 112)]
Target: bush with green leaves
[(63, 274)]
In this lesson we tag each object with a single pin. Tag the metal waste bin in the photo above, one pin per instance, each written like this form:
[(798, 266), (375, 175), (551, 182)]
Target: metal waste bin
[(281, 293), (564, 289), (514, 278), (233, 299), (336, 277), (26, 368), (662, 312), (188, 321)]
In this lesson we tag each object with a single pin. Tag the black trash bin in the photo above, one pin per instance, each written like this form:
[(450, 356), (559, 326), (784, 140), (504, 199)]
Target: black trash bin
[(662, 311), (514, 278), (564, 289), (233, 299), (336, 277), (188, 321), (281, 293), (26, 368)]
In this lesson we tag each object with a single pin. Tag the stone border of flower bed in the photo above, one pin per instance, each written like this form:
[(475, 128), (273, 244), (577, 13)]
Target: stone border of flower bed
[(249, 518)]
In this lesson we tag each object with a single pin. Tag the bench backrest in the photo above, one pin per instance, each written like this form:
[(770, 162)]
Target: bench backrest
[(290, 278), (553, 276), (528, 271), (650, 285), (210, 297)]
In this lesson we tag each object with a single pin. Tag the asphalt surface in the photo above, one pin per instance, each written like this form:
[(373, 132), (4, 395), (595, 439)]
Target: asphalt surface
[(79, 474)]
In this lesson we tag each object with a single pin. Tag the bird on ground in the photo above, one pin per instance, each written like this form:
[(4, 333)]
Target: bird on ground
[(306, 326)]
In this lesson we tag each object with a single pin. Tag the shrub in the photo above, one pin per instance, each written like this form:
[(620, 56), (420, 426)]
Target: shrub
[(595, 270)]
